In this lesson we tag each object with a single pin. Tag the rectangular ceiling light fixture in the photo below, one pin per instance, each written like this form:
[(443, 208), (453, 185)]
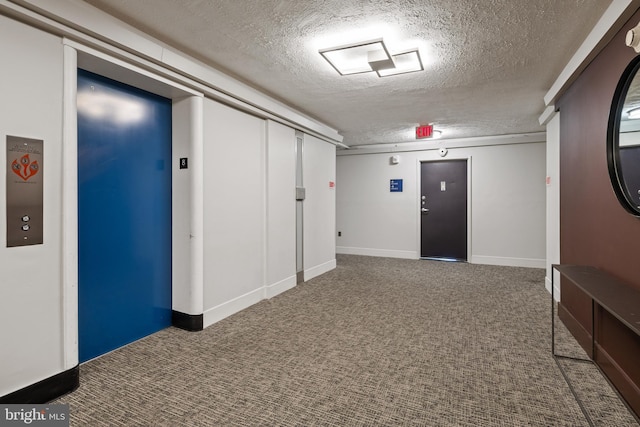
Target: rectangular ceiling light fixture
[(363, 57), (372, 55), (405, 62)]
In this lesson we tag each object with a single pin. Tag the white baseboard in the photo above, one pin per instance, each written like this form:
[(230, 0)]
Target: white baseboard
[(319, 269), (507, 261), (224, 310), (280, 287), (386, 253), (556, 290)]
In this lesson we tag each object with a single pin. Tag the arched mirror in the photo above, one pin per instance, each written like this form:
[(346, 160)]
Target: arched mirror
[(623, 139)]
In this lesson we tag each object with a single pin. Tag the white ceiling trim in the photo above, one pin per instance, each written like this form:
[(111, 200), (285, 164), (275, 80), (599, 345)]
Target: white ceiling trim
[(616, 15), (58, 14), (547, 115), (94, 60), (98, 62), (482, 141)]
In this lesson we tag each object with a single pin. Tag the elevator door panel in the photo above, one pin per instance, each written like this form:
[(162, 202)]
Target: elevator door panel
[(124, 214)]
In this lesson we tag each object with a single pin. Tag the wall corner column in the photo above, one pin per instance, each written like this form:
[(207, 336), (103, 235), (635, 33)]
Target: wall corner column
[(188, 213), (70, 209), (553, 201), (196, 149)]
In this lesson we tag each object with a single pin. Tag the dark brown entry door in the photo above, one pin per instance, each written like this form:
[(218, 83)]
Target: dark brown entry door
[(443, 207)]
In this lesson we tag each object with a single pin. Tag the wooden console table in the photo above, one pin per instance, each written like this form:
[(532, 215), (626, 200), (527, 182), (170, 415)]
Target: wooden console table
[(617, 298)]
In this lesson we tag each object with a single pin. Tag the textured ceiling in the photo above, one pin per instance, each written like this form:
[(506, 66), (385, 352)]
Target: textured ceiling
[(488, 63)]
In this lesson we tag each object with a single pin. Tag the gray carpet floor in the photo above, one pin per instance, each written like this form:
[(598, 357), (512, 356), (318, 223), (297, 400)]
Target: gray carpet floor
[(376, 342)]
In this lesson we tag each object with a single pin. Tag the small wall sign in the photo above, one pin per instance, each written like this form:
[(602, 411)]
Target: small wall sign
[(424, 131), (24, 196), (395, 186)]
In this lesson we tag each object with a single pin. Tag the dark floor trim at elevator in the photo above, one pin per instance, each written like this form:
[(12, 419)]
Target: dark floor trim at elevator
[(47, 389), (188, 322)]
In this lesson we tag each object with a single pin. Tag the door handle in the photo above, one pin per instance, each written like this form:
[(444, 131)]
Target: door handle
[(424, 210)]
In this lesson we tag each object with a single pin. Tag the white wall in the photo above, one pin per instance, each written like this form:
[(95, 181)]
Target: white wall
[(249, 209), (507, 204), (31, 288), (373, 221), (234, 210), (281, 208), (319, 169)]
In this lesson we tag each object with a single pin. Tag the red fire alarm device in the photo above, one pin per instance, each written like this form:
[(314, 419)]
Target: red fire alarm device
[(425, 131)]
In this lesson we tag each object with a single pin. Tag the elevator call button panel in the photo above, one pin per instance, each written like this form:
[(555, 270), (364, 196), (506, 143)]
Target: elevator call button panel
[(24, 191)]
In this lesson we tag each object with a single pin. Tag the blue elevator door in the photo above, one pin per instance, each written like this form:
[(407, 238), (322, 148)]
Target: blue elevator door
[(124, 214)]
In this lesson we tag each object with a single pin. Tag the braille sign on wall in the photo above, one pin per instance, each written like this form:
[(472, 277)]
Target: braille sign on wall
[(184, 163), (24, 191), (395, 186)]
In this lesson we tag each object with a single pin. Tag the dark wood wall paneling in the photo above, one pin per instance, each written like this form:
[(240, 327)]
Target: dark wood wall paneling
[(595, 230)]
